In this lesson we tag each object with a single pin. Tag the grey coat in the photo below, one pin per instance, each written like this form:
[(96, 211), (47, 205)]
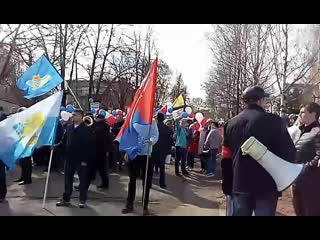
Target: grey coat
[(214, 140)]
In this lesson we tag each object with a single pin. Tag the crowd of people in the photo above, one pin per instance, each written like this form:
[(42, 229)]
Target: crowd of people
[(89, 148)]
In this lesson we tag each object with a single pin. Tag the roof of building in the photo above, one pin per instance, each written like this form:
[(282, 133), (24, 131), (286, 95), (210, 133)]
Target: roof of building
[(14, 96)]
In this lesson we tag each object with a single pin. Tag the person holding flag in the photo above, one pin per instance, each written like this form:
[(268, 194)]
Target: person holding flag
[(79, 141), (137, 136)]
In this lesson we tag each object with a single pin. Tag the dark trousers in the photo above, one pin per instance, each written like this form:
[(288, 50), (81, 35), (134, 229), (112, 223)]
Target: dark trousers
[(137, 167), (83, 173), (3, 185), (58, 159), (203, 161), (190, 159), (100, 165), (159, 160), (181, 154), (26, 169), (117, 156)]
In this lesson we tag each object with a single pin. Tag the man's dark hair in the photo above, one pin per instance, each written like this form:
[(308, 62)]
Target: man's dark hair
[(79, 111), (253, 94), (313, 108), (216, 124), (100, 116), (160, 117)]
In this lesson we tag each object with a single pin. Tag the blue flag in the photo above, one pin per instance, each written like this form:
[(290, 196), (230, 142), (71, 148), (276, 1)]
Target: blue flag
[(36, 126), (39, 79)]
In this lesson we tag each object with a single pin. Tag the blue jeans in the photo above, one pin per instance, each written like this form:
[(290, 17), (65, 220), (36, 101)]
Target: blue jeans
[(212, 161), (190, 159), (245, 204)]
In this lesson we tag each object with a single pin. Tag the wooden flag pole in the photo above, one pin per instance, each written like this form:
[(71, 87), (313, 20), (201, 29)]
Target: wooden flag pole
[(146, 172), (73, 95), (47, 181)]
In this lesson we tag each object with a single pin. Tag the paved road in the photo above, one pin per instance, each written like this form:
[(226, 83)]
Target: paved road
[(191, 196)]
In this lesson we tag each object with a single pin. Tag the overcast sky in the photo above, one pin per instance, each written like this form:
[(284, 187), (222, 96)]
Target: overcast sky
[(185, 49)]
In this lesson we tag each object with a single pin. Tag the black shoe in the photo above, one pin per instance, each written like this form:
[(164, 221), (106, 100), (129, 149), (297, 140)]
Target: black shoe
[(163, 186), (103, 186), (128, 208), (82, 204), (146, 212), (178, 174), (24, 183), (62, 203), (18, 180)]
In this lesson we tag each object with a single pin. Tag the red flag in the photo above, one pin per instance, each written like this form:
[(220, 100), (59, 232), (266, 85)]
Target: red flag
[(141, 112)]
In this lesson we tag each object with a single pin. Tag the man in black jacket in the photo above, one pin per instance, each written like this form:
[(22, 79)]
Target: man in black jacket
[(251, 186), (102, 145), (162, 147), (117, 156), (79, 151)]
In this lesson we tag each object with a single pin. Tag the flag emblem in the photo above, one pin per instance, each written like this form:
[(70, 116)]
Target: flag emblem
[(38, 82)]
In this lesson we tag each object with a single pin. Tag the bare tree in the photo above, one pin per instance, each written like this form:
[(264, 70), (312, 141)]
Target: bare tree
[(178, 88), (291, 61), (163, 83)]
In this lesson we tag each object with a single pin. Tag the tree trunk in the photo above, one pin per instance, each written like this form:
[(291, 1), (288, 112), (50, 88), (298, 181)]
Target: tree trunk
[(104, 61), (94, 63), (284, 76), (5, 66)]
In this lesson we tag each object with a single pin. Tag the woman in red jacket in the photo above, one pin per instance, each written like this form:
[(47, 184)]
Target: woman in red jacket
[(193, 146)]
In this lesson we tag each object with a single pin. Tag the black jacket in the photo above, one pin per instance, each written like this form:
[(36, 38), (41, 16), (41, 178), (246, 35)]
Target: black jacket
[(307, 141), (165, 139), (79, 144), (116, 128), (248, 176), (103, 140)]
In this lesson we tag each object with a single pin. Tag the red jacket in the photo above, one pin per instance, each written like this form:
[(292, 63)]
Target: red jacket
[(194, 143)]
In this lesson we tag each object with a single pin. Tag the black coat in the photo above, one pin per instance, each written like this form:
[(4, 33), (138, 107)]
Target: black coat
[(165, 141), (116, 128), (103, 140), (79, 144), (248, 176), (60, 133)]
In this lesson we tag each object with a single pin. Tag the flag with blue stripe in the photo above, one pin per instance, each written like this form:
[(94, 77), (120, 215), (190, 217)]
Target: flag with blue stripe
[(36, 126), (39, 79)]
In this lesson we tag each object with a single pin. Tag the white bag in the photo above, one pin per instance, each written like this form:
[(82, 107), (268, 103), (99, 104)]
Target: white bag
[(168, 159)]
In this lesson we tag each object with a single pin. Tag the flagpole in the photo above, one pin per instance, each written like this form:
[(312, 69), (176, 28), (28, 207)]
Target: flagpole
[(146, 172), (67, 85), (47, 181)]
